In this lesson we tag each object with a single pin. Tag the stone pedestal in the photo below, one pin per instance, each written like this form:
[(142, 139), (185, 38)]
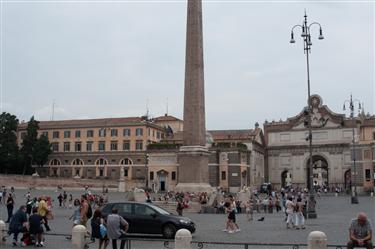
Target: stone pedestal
[(121, 185), (193, 169)]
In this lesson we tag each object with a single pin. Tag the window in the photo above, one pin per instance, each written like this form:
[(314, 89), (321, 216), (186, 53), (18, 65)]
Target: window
[(77, 172), (126, 161), (55, 134), (102, 132), (151, 175), (55, 162), (114, 145), (23, 135), (126, 132), (139, 145), (78, 146), (45, 133), (368, 174), (66, 146), (126, 145), (89, 146), (126, 172), (90, 133), (101, 161), (123, 208), (223, 175), (101, 172), (114, 133), (55, 147), (173, 175), (77, 161), (149, 132), (143, 210), (66, 134), (78, 134), (101, 146), (158, 135), (139, 132)]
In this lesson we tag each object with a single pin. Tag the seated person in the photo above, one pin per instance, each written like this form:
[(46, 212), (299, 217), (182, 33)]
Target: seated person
[(18, 224), (360, 232), (35, 227)]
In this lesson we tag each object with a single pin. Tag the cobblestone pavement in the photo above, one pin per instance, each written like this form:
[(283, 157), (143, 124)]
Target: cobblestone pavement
[(334, 214)]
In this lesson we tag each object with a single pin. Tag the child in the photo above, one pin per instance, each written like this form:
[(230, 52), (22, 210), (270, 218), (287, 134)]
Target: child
[(36, 229)]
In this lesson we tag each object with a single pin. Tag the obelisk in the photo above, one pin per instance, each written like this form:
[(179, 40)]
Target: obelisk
[(193, 155)]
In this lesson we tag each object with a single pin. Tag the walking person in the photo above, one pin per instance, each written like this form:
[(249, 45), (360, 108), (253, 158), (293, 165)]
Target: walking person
[(10, 207), (360, 232), (300, 219), (96, 222), (84, 210), (70, 201), (180, 207), (65, 197), (289, 205), (249, 210), (60, 198), (18, 225), (36, 228), (43, 211), (114, 229)]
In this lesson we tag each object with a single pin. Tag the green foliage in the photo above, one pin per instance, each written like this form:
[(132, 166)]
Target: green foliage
[(42, 150), (9, 153), (28, 145)]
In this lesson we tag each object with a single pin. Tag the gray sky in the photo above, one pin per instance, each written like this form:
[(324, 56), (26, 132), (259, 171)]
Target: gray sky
[(106, 59)]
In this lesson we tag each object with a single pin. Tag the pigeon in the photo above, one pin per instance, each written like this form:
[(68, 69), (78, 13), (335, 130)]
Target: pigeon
[(261, 219)]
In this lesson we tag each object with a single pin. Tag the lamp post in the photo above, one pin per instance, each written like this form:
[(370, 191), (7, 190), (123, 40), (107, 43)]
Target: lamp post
[(306, 36), (354, 199), (146, 165)]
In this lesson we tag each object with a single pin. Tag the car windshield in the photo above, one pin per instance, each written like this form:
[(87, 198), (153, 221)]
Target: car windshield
[(160, 210)]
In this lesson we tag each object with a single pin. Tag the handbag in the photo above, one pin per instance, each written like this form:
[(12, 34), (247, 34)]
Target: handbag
[(103, 230)]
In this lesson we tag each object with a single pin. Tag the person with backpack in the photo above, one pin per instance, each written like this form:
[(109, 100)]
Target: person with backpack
[(99, 230), (35, 227)]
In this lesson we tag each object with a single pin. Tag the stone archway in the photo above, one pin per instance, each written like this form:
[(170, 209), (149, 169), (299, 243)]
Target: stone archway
[(348, 179), (320, 171), (286, 179)]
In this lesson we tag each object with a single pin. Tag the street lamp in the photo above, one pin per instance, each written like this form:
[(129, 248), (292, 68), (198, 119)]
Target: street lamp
[(146, 166), (306, 36), (351, 102)]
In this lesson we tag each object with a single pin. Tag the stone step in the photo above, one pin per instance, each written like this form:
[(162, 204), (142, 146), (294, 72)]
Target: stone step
[(171, 207)]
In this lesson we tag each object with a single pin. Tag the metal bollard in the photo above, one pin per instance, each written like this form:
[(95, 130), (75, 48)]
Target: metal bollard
[(336, 194), (2, 231), (317, 240), (372, 194), (79, 237), (182, 239)]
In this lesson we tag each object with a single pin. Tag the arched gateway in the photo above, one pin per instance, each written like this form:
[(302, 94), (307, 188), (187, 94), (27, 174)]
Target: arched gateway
[(320, 171)]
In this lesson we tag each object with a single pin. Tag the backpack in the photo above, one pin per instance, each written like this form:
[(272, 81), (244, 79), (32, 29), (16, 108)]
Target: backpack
[(89, 211)]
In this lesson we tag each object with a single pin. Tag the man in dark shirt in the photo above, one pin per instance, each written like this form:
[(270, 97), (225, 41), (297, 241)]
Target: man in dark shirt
[(35, 226), (360, 232), (18, 224)]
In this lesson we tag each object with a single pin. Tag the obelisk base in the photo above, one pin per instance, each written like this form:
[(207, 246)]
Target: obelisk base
[(193, 170), (121, 185)]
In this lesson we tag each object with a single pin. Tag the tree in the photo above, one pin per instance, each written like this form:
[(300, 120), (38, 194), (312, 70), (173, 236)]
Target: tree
[(28, 145), (9, 152), (42, 150)]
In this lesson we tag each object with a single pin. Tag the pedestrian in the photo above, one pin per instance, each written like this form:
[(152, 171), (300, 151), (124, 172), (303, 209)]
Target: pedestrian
[(249, 210), (60, 198), (65, 197), (289, 212), (114, 231), (300, 219), (76, 216), (84, 210), (277, 204), (360, 232), (70, 200), (96, 222), (43, 211), (10, 206), (18, 224), (36, 228), (180, 207)]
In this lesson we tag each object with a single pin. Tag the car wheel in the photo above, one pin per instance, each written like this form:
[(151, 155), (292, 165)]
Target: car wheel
[(169, 231)]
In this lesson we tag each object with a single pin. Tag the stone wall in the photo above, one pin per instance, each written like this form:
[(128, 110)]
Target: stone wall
[(19, 181)]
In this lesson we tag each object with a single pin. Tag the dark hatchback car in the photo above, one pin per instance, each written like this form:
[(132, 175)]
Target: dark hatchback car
[(144, 218)]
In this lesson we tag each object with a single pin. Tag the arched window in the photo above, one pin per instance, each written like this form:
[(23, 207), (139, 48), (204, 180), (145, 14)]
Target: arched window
[(77, 161), (55, 162), (101, 161), (126, 161)]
